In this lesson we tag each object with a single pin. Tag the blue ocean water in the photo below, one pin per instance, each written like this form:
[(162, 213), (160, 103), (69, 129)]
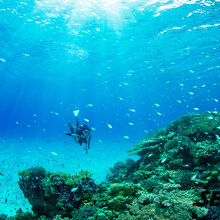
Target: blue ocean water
[(160, 58), (129, 67)]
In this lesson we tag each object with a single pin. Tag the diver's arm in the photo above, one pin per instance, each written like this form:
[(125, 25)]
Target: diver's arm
[(71, 128), (67, 133)]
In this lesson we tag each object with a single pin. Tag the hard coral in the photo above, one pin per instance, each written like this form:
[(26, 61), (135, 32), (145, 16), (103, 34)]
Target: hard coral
[(52, 194), (84, 212), (122, 171)]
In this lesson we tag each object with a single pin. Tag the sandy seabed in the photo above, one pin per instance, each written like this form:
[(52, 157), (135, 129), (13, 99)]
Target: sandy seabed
[(54, 156)]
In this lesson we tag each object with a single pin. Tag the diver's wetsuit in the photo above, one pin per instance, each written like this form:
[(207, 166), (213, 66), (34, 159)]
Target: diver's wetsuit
[(81, 134)]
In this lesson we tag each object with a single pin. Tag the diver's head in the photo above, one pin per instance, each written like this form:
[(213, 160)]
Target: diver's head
[(85, 127)]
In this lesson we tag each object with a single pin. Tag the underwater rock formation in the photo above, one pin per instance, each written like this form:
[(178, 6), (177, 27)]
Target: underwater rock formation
[(176, 164)]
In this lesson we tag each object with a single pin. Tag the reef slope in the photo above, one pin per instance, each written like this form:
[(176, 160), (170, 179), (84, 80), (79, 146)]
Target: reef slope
[(176, 164)]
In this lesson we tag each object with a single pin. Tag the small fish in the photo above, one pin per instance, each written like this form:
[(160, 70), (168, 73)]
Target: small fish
[(193, 177), (150, 155), (100, 214), (164, 159), (85, 119), (159, 113), (16, 122), (3, 60), (110, 126), (35, 115), (126, 137), (196, 109), (54, 153), (56, 113), (26, 54), (74, 189), (90, 105), (172, 181), (132, 110), (93, 14), (93, 129), (120, 98), (179, 101), (186, 165), (191, 93), (130, 123), (28, 126), (156, 104), (131, 71)]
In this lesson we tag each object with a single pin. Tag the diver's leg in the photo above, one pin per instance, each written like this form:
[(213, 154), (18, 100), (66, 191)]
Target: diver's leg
[(88, 141), (77, 122), (86, 148)]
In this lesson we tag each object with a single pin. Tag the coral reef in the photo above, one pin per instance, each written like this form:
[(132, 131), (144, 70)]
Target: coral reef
[(187, 151), (176, 164), (184, 155), (51, 194)]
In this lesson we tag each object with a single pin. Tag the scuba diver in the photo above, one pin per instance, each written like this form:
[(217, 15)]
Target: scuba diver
[(80, 133)]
